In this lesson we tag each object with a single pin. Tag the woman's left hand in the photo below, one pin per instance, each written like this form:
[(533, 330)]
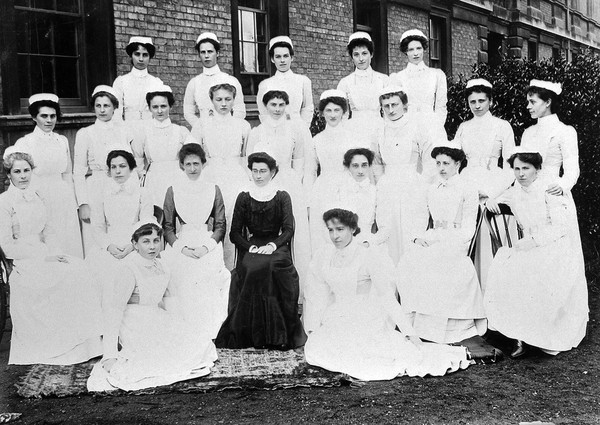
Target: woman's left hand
[(416, 341), (266, 249), (554, 189), (57, 258)]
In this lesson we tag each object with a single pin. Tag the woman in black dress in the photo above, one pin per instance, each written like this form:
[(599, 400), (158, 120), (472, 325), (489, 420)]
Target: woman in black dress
[(263, 297)]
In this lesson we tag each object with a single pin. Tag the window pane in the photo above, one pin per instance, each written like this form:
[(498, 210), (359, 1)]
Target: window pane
[(41, 75), (23, 64), (35, 28), (249, 61), (248, 26), (263, 57), (261, 27), (65, 36), (43, 4), (67, 84), (254, 4), (67, 5)]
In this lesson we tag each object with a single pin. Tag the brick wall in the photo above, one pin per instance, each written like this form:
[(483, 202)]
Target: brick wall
[(320, 30), (174, 27), (400, 19), (465, 43)]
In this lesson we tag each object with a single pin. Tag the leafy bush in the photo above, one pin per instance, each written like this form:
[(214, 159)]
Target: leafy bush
[(580, 107)]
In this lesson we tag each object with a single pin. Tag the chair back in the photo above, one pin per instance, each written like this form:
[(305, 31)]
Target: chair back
[(498, 231)]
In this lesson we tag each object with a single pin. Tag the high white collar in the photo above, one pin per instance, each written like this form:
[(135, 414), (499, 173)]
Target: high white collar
[(452, 181), (211, 71), (104, 124), (485, 117), (284, 75), (161, 124), (41, 133), (548, 120), (129, 187), (411, 67), (273, 123), (263, 193), (363, 72), (28, 194), (139, 73)]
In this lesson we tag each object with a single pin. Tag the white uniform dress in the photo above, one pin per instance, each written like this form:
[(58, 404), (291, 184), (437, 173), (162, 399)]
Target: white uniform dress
[(197, 100), (92, 145), (159, 144), (438, 284), (53, 178), (362, 89), (131, 89), (351, 314), (404, 149), (224, 138), (286, 141), (157, 347), (539, 295), (427, 91), (299, 90), (54, 310)]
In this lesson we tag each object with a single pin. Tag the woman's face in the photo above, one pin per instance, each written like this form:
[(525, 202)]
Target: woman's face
[(525, 172), (46, 119), (333, 114), (340, 234), (537, 107), (393, 108), (261, 174), (361, 57), (140, 58), (479, 103), (208, 54), (103, 108), (119, 170), (159, 106), (192, 166), (20, 174), (276, 108), (222, 100), (414, 52), (282, 59), (359, 167), (148, 245), (446, 166)]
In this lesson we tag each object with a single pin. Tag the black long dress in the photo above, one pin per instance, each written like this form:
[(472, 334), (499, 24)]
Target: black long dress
[(263, 297)]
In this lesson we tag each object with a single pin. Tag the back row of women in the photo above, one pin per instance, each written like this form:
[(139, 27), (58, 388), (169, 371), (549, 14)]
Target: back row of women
[(344, 223)]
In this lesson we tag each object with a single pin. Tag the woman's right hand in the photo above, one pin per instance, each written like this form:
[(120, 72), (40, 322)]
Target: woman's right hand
[(194, 252), (118, 252), (492, 206), (84, 212), (57, 258)]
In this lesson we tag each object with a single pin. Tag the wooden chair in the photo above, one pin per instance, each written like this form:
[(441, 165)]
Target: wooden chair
[(495, 229)]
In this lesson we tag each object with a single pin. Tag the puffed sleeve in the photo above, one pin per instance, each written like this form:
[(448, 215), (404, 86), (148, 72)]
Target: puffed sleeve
[(170, 217), (317, 294), (118, 86), (218, 215), (239, 107), (308, 106), (245, 135), (468, 219), (427, 140), (507, 136), (237, 222), (262, 109), (80, 166), (570, 156), (441, 96), (114, 303), (287, 222), (137, 147), (189, 103), (557, 224), (14, 248), (67, 175)]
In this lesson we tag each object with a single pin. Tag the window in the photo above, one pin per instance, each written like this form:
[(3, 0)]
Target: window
[(438, 49), (368, 17), (532, 53), (50, 43)]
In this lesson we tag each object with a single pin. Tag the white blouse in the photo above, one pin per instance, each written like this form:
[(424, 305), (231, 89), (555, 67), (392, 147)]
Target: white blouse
[(362, 89), (282, 139), (161, 141), (298, 88), (131, 89)]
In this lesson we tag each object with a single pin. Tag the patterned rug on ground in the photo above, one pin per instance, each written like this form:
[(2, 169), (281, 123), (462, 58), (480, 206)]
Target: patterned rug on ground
[(235, 369)]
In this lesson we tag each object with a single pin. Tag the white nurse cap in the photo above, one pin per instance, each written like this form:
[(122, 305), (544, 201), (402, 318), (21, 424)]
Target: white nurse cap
[(106, 89), (207, 36), (548, 85), (332, 93), (478, 82), (281, 39), (359, 35), (141, 40), (413, 33), (43, 96), (390, 89), (160, 88), (522, 149)]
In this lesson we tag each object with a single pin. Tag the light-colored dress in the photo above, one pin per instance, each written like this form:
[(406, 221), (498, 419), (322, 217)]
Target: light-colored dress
[(427, 91), (54, 310), (200, 285), (351, 314), (53, 178), (159, 144), (298, 88), (92, 145), (131, 89), (539, 295), (224, 138), (197, 100), (438, 284), (157, 347)]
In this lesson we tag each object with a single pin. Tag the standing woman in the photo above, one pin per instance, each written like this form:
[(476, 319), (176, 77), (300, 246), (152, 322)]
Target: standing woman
[(361, 86), (159, 143), (223, 138), (92, 145), (426, 87), (55, 312), (437, 282), (53, 176), (298, 87), (131, 88)]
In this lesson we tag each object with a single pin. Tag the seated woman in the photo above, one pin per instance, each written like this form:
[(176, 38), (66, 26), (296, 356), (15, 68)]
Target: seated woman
[(156, 347), (54, 311), (437, 281), (536, 291), (263, 299), (200, 279), (351, 313)]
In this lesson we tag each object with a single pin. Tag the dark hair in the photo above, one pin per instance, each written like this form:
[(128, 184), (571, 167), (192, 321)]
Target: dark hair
[(340, 101), (34, 108), (360, 42), (404, 43), (262, 157), (456, 154), (128, 156), (546, 95), (401, 94), (145, 230), (532, 158), (112, 98), (167, 94), (367, 153), (191, 149), (223, 86), (347, 218), (216, 45), (281, 44), (479, 89), (276, 94), (10, 159), (130, 48)]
